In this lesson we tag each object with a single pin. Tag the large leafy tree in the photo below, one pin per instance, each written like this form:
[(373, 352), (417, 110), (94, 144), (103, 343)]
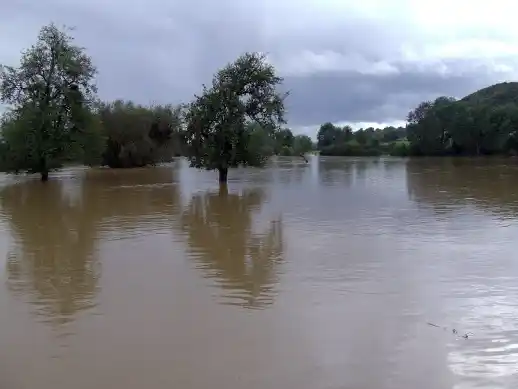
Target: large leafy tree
[(284, 139), (261, 144), (430, 126), (50, 95), (483, 123), (218, 122), (330, 135), (138, 135), (302, 144)]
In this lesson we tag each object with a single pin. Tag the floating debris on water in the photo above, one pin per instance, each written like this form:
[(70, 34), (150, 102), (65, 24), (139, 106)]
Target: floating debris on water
[(454, 331)]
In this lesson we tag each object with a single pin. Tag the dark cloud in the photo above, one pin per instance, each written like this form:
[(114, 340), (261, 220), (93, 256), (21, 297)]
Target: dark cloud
[(355, 97), (162, 51)]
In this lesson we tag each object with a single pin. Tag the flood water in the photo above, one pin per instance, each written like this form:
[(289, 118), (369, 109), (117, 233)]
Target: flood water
[(316, 276)]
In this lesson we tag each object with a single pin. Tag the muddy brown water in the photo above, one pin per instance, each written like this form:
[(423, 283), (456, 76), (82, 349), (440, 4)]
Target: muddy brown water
[(298, 276)]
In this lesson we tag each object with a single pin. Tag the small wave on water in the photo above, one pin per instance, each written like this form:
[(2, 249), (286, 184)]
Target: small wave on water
[(489, 359)]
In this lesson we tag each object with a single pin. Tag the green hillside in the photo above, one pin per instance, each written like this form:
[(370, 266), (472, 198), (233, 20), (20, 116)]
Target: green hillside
[(495, 95), (482, 123)]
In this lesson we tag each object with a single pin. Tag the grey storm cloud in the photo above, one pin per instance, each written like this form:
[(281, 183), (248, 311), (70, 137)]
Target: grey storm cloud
[(342, 62), (355, 97)]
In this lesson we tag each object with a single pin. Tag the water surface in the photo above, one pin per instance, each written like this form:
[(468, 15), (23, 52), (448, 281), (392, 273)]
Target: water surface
[(298, 276)]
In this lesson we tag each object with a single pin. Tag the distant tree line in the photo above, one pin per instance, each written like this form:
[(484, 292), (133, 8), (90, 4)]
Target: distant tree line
[(54, 117), (483, 123), (281, 142), (334, 140), (137, 136)]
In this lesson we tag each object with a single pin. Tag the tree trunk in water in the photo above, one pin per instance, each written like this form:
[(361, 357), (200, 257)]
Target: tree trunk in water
[(223, 189), (43, 169), (223, 173)]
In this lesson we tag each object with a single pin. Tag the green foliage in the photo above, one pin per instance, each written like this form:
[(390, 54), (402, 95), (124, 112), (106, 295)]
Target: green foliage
[(242, 93), (351, 148), (302, 144), (484, 122), (286, 151), (399, 148), (137, 135), (54, 118), (283, 141), (50, 96), (499, 94), (330, 135), (260, 144), (392, 134), (264, 143), (343, 141)]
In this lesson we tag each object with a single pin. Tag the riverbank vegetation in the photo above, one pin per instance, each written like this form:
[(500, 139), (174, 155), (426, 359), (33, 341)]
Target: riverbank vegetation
[(343, 141), (220, 121), (54, 117), (482, 123), (137, 135), (51, 119)]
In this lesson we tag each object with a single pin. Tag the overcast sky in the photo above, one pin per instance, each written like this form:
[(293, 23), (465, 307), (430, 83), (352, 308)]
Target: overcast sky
[(368, 61)]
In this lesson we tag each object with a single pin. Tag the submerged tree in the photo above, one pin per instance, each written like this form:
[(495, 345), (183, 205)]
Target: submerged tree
[(139, 135), (218, 122), (50, 96), (302, 144)]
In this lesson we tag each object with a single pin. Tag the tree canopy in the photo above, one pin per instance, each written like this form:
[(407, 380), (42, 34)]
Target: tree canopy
[(50, 95), (219, 121), (483, 123), (334, 140), (54, 117), (138, 135)]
